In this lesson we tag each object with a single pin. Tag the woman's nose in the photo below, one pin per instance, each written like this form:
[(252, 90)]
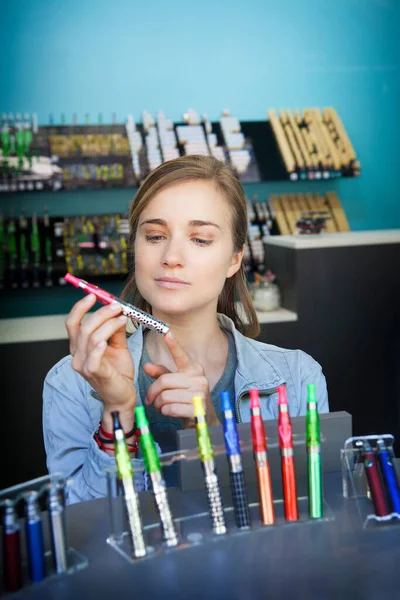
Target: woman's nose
[(173, 254)]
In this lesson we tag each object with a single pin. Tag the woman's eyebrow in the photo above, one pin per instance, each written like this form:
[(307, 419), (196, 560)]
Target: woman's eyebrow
[(154, 222), (197, 223), (193, 223)]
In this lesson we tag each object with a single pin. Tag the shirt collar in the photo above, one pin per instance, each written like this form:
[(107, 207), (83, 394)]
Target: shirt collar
[(254, 368)]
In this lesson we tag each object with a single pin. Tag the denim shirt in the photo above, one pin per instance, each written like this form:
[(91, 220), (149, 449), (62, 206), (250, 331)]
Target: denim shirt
[(72, 409)]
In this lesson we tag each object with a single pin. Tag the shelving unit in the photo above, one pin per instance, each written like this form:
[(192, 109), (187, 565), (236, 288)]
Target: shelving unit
[(287, 209), (53, 157)]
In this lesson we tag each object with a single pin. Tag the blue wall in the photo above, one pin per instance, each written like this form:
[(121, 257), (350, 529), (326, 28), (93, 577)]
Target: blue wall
[(124, 55)]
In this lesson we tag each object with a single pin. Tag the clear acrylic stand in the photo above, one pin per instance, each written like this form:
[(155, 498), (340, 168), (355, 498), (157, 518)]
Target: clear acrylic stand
[(355, 485), (196, 528), (17, 494)]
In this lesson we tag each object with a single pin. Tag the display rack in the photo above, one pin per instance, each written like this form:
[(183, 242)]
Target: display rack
[(195, 528), (16, 497), (355, 485), (289, 209), (33, 157)]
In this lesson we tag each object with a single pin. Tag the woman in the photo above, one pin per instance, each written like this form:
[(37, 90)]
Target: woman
[(188, 228)]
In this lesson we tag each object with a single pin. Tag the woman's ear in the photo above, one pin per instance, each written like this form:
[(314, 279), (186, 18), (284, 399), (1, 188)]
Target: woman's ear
[(235, 263)]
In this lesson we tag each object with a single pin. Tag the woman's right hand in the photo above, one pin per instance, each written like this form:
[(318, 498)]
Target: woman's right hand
[(101, 355)]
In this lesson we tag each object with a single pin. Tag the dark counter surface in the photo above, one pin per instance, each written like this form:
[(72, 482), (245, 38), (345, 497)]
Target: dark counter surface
[(335, 559)]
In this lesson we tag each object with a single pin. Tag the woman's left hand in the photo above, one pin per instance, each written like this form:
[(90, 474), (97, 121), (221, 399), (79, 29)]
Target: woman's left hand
[(172, 393)]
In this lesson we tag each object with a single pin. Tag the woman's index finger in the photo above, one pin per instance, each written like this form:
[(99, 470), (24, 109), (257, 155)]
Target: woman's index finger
[(181, 358)]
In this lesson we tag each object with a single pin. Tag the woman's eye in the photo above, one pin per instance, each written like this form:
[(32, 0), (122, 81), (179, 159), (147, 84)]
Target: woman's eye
[(153, 239), (202, 242)]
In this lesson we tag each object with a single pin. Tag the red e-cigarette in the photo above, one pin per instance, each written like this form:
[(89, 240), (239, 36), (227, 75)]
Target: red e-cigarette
[(287, 457)]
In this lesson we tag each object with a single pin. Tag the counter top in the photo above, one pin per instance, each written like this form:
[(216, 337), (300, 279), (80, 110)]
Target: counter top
[(335, 240), (315, 560), (52, 327)]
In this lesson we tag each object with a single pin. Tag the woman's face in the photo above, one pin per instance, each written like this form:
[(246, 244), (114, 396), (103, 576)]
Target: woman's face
[(184, 248)]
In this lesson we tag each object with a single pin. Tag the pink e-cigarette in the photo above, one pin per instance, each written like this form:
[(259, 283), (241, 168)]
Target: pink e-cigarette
[(130, 311)]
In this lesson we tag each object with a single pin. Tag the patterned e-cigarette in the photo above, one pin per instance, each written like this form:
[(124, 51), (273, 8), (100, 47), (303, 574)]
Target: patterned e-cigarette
[(236, 473), (153, 466), (127, 309), (210, 475), (125, 473)]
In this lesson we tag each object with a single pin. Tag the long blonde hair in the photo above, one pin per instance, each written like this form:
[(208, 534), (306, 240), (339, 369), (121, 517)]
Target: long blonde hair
[(195, 168)]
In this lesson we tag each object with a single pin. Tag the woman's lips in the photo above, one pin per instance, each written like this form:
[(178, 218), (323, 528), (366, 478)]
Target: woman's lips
[(171, 283)]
